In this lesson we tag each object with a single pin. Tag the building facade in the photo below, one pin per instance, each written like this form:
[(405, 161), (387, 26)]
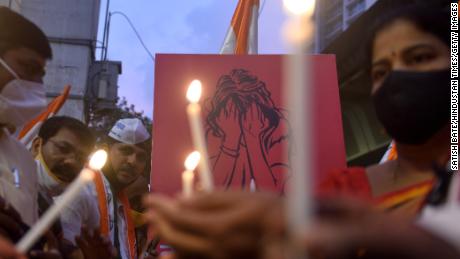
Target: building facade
[(71, 27), (334, 16)]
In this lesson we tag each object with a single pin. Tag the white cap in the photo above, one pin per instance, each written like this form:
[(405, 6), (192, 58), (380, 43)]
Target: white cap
[(129, 131)]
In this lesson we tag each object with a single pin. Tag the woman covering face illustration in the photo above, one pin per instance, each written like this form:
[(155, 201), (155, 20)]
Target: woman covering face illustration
[(249, 131)]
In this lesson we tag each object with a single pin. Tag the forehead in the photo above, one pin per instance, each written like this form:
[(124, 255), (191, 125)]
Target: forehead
[(135, 148), (399, 35), (26, 54), (66, 135)]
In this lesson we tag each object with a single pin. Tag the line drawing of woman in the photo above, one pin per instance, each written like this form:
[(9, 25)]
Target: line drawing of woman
[(246, 134)]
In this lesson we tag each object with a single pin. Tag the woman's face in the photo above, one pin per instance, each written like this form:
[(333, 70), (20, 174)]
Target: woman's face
[(402, 46)]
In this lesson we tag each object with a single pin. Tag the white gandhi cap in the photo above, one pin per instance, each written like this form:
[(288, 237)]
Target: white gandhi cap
[(129, 131)]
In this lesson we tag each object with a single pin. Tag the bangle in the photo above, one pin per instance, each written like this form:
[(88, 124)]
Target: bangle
[(229, 151)]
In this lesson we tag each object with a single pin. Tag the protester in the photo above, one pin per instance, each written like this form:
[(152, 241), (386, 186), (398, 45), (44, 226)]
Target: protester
[(61, 149), (410, 58), (409, 52), (24, 50), (104, 204)]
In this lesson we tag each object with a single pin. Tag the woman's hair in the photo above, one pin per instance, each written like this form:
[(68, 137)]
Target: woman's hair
[(430, 18), (243, 89)]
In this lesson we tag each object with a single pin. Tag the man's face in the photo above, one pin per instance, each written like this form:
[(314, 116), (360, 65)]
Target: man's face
[(127, 162), (27, 64), (65, 154)]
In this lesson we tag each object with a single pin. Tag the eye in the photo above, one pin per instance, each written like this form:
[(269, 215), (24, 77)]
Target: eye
[(65, 149), (378, 74), (142, 157), (420, 58), (126, 151)]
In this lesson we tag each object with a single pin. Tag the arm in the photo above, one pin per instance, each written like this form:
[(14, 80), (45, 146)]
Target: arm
[(254, 123), (229, 150)]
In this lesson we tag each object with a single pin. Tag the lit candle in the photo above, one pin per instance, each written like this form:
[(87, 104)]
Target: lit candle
[(187, 176), (96, 162), (298, 33), (194, 117)]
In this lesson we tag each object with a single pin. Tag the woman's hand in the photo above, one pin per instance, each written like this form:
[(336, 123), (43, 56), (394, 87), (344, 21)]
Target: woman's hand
[(229, 122)]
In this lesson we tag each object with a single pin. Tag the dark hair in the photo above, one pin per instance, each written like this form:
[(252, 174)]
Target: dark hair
[(54, 124), (242, 88), (430, 18), (16, 31)]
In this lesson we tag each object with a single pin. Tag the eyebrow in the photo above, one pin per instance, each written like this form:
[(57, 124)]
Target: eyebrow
[(70, 145), (405, 51)]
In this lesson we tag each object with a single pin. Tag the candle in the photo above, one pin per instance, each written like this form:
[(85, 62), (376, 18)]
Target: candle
[(97, 161), (194, 117), (187, 176), (298, 32)]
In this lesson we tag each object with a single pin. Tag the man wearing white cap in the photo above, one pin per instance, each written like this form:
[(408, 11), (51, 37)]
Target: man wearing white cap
[(104, 205)]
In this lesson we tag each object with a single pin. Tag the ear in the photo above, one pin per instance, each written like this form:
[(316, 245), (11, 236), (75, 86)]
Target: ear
[(36, 143)]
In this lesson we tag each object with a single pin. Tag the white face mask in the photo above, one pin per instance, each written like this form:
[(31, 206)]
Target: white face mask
[(20, 100), (47, 181)]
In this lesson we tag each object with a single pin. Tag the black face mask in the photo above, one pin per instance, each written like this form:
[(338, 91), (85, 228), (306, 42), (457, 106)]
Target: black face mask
[(413, 106)]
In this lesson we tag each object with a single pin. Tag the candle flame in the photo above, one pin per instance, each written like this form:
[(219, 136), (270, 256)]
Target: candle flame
[(98, 159), (192, 161), (300, 7), (194, 91)]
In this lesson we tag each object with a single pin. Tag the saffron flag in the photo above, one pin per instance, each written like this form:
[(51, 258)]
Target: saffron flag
[(242, 35), (390, 154), (30, 130)]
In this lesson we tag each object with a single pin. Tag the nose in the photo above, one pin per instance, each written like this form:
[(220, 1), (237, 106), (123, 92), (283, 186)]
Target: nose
[(74, 160), (132, 159), (400, 65)]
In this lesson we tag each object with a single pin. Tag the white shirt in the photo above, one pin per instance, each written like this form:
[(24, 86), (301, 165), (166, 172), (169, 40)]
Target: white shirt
[(443, 221), (84, 210), (15, 157)]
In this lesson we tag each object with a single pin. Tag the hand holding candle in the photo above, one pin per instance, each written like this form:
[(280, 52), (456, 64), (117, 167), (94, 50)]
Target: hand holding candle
[(194, 116), (96, 162), (187, 176)]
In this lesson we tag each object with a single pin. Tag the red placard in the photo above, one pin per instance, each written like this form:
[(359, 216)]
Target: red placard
[(245, 121)]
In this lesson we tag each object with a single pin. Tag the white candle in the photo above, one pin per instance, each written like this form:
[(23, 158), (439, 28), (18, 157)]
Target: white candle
[(97, 161), (194, 117), (190, 164), (187, 183), (298, 32)]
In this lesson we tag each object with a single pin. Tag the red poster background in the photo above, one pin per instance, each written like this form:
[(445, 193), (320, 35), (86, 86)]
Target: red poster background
[(171, 134)]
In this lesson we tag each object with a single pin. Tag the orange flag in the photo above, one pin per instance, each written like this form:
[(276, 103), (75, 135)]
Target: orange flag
[(390, 154), (242, 35), (30, 130)]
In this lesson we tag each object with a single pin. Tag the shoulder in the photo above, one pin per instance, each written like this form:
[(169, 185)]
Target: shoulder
[(352, 181)]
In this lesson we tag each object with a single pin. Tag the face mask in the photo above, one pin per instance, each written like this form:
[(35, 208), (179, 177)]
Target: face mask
[(47, 181), (20, 100), (413, 106)]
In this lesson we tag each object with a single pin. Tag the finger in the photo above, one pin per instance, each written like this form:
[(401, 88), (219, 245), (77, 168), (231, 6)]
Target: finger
[(81, 242), (7, 250), (222, 199), (181, 240), (232, 110), (86, 234), (51, 240), (228, 107), (211, 224)]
